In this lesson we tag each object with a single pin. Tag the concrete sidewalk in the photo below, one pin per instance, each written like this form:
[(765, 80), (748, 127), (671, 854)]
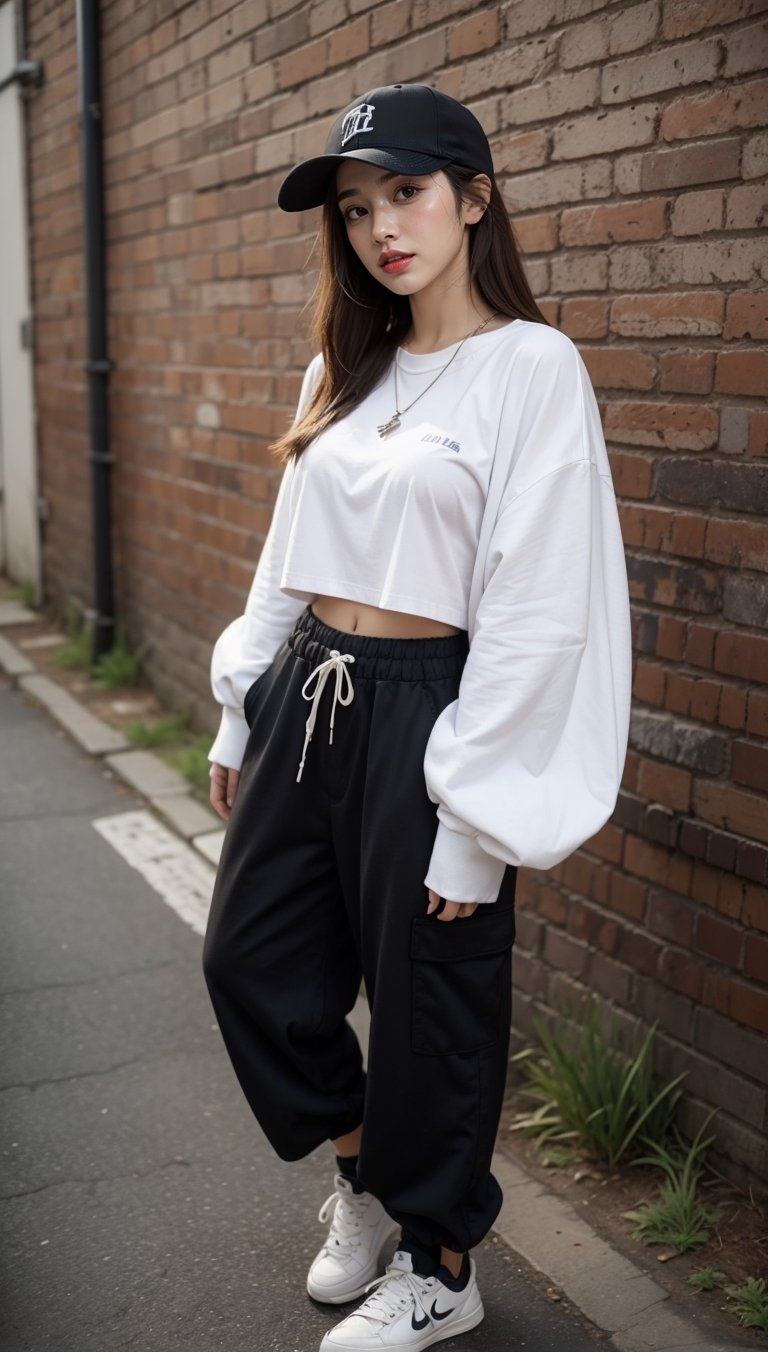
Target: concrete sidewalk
[(173, 841)]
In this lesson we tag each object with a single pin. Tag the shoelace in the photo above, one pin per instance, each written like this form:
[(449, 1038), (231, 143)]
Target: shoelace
[(398, 1290), (346, 1222), (334, 663)]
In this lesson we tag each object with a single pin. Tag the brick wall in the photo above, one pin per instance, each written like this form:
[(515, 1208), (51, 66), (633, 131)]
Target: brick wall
[(630, 140)]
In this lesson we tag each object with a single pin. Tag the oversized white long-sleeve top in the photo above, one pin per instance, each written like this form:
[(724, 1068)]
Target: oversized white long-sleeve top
[(491, 508)]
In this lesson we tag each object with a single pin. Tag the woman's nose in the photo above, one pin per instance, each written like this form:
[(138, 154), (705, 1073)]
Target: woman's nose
[(382, 225)]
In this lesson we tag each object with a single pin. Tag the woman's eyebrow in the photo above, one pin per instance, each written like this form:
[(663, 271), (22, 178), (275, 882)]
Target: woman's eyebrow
[(383, 178)]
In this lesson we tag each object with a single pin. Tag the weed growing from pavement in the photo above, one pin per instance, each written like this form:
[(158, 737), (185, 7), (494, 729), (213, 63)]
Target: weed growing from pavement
[(120, 666), (26, 592), (192, 762), (77, 651), (679, 1217), (707, 1279), (750, 1303), (170, 728), (592, 1091)]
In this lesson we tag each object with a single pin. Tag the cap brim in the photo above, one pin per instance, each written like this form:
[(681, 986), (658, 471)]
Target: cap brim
[(307, 185)]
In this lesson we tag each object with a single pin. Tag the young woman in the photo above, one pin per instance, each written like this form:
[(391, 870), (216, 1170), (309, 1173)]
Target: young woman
[(443, 581)]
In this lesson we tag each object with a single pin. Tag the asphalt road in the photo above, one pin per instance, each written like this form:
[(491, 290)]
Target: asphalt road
[(141, 1206)]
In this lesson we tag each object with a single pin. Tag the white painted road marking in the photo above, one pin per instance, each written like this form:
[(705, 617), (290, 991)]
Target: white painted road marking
[(173, 869)]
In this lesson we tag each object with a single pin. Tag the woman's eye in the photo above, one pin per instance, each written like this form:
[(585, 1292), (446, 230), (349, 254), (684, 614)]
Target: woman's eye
[(410, 188)]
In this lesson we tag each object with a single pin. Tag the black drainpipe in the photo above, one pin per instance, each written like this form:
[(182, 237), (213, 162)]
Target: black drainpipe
[(98, 364)]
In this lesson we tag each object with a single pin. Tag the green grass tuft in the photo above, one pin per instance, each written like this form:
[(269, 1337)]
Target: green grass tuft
[(706, 1279), (750, 1303), (679, 1217), (192, 762), (118, 667), (594, 1092), (168, 729)]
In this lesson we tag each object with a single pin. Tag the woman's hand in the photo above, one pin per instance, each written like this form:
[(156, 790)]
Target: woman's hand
[(224, 784), (452, 909)]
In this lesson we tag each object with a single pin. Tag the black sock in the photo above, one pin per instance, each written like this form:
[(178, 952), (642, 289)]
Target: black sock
[(445, 1275), (425, 1259), (347, 1167)]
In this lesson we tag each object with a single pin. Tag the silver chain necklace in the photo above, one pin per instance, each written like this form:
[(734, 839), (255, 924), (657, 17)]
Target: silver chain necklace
[(394, 422)]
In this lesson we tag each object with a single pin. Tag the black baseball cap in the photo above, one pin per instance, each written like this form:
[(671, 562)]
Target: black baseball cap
[(408, 128)]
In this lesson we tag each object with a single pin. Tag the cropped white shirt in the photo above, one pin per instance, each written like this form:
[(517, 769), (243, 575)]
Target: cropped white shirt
[(491, 508)]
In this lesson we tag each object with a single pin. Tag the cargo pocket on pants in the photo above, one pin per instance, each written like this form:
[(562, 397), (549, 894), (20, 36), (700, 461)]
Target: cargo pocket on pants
[(461, 976)]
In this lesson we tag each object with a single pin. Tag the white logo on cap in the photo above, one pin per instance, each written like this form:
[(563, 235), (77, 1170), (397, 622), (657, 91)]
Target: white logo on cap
[(358, 119)]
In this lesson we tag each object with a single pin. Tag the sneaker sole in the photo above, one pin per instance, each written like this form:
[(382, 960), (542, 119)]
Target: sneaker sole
[(438, 1335), (343, 1298)]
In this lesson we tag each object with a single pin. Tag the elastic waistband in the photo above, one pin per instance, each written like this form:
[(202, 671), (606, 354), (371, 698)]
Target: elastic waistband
[(377, 658)]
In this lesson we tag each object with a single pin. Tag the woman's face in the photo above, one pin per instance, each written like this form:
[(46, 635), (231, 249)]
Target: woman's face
[(413, 214)]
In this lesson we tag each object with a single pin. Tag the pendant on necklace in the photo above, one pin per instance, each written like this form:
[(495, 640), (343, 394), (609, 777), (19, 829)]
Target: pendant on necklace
[(390, 426)]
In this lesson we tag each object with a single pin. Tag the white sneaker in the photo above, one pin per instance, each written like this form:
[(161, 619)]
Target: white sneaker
[(407, 1312), (349, 1258)]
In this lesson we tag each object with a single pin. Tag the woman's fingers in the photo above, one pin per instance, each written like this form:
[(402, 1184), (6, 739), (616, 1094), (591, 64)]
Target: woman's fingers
[(452, 909), (224, 784)]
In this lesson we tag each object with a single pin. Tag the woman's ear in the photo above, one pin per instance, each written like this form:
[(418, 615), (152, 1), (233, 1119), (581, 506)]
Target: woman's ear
[(474, 211)]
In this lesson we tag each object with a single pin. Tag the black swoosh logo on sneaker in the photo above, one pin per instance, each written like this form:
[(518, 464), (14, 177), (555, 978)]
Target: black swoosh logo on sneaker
[(418, 1324), (437, 1314)]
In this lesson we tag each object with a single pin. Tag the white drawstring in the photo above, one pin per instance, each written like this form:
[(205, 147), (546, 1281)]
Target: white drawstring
[(334, 663)]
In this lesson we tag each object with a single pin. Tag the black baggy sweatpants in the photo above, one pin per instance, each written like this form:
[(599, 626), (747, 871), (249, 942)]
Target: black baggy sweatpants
[(320, 883)]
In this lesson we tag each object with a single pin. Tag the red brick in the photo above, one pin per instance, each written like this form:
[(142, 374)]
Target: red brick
[(657, 864), (565, 953), (678, 692), (744, 655), (538, 234), (705, 700), (679, 167), (670, 917), (746, 315), (350, 41), (717, 940), (757, 713), (749, 764), (687, 372), (681, 971), (704, 885), (552, 905), (757, 444), (628, 896), (755, 907), (737, 544), (733, 707), (607, 843), (596, 224), (671, 637), (474, 34), (734, 107), (675, 426), (663, 783), (620, 369), (584, 317), (698, 314), (694, 213), (731, 892), (742, 373), (700, 644), (681, 18), (743, 1003), (638, 951), (756, 957), (632, 475), (731, 809), (649, 682)]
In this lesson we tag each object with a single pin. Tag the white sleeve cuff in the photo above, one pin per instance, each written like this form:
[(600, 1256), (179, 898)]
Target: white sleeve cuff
[(461, 870), (229, 746)]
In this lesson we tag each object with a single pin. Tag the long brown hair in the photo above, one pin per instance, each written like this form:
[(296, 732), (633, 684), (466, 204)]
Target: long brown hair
[(358, 323)]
